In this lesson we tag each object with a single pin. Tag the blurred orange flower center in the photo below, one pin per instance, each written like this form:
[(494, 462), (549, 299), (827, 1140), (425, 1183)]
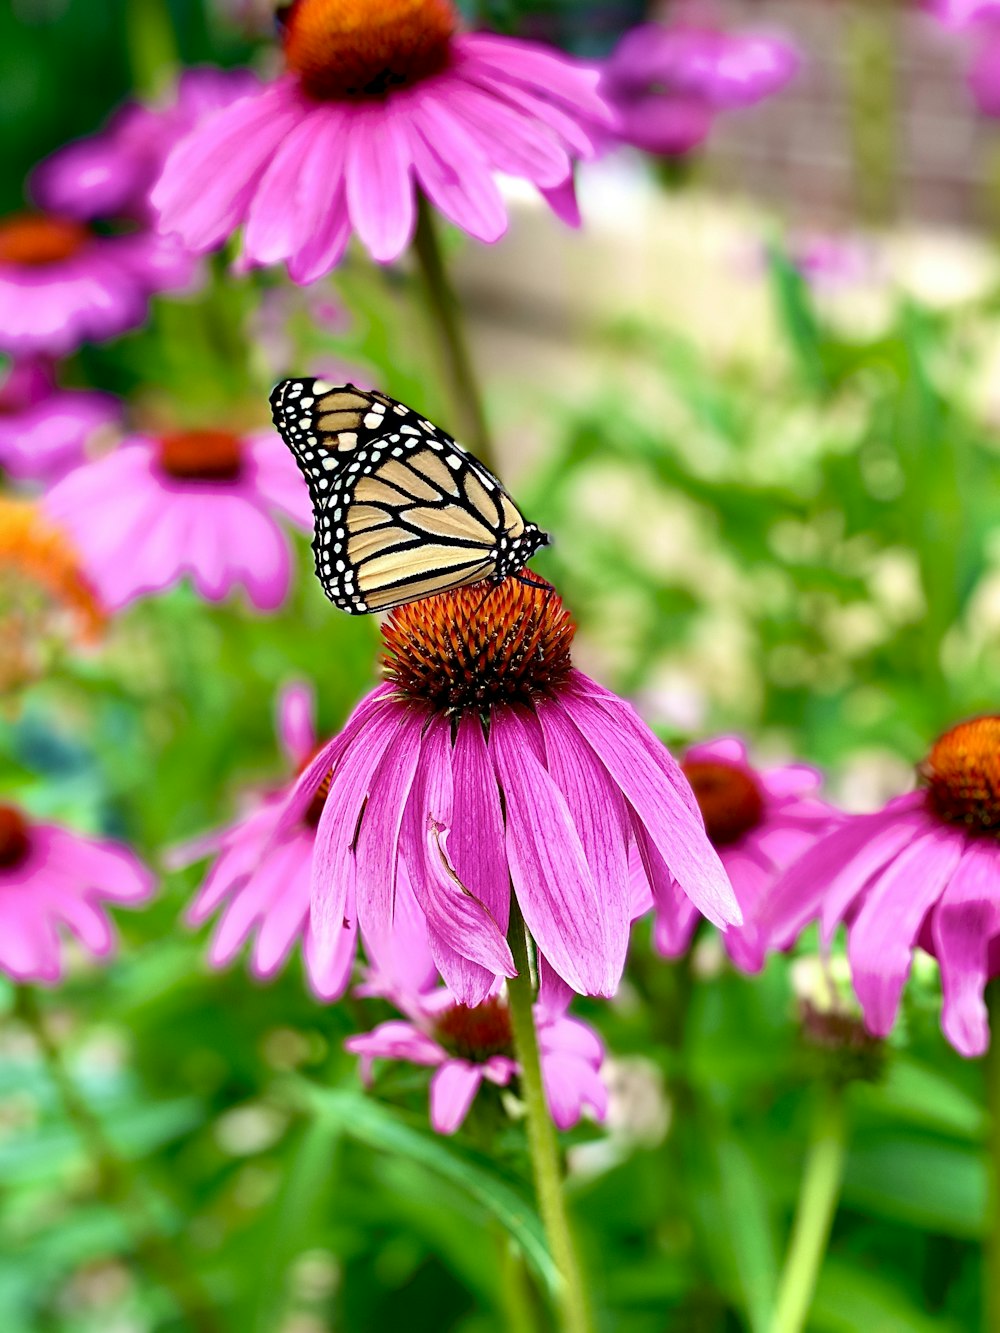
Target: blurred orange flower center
[(479, 646), (15, 840), (476, 1034), (366, 48), (730, 800), (202, 455), (34, 240), (962, 773)]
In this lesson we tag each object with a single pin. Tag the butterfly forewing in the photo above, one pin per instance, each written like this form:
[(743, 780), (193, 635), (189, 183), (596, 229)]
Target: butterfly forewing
[(402, 511)]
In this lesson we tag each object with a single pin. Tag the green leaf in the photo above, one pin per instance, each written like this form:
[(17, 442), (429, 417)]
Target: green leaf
[(388, 1131), (927, 1183), (848, 1299)]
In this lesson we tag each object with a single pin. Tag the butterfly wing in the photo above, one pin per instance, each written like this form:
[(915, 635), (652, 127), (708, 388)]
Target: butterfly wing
[(402, 511)]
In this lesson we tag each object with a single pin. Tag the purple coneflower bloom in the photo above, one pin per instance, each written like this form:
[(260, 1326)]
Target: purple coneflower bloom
[(667, 84), (486, 760), (63, 284), (759, 821), (53, 880), (196, 503), (469, 1046), (923, 871), (262, 880), (381, 98), (110, 174), (45, 431)]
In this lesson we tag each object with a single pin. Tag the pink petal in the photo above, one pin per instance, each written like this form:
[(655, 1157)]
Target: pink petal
[(329, 969), (881, 939), (453, 175), (553, 882), (379, 188), (510, 141), (886, 833), (453, 1089), (554, 995), (272, 225), (297, 721), (602, 821), (396, 1040), (570, 1084), (539, 69), (966, 919), (476, 842)]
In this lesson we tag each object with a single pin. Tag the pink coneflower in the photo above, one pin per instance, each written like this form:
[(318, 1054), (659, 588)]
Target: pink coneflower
[(261, 881), (469, 1046), (110, 174), (196, 503), (667, 84), (486, 760), (759, 821), (45, 431), (53, 880), (381, 98), (63, 284), (923, 871)]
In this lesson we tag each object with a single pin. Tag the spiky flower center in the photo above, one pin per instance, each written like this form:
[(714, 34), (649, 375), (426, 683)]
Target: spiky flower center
[(366, 48), (202, 455), (15, 839), (479, 646), (730, 801), (32, 240), (962, 773), (476, 1034)]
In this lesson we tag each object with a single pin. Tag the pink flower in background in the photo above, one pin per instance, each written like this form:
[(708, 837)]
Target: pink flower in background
[(45, 431), (962, 13), (52, 880), (381, 99), (469, 1046), (198, 504), (110, 174), (63, 284), (667, 84), (759, 822), (260, 880), (923, 871), (486, 760)]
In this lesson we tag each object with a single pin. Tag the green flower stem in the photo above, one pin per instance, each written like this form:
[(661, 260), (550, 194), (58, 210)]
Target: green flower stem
[(444, 310), (152, 46), (818, 1195), (542, 1141), (991, 1248), (115, 1181)]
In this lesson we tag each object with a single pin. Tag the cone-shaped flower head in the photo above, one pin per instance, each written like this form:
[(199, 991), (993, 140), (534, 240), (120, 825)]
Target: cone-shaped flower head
[(199, 503), (923, 871), (52, 880), (487, 760), (380, 99), (759, 821)]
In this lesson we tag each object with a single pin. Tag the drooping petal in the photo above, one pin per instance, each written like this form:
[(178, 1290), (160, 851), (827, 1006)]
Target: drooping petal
[(379, 188), (476, 842), (880, 941), (965, 921), (296, 723), (453, 1090), (451, 171), (329, 969), (553, 882)]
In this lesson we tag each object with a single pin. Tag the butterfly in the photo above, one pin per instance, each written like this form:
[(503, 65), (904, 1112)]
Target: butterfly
[(402, 511)]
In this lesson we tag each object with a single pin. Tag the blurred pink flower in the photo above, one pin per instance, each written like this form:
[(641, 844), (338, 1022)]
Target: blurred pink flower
[(53, 880), (197, 503), (467, 1046), (261, 879), (963, 13), (381, 98), (759, 822), (667, 84), (45, 431), (923, 871), (486, 760), (62, 284), (110, 174)]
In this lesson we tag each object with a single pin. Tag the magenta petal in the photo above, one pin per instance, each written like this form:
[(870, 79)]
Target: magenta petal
[(297, 721), (453, 175), (329, 969), (881, 938), (553, 882), (333, 872), (512, 142), (396, 1040), (602, 821), (454, 914), (886, 834), (379, 188), (964, 922), (453, 1089), (554, 994), (476, 842), (273, 215), (469, 982)]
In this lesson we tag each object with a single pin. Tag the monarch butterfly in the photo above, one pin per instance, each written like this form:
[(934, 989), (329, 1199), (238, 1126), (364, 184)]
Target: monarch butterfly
[(402, 511)]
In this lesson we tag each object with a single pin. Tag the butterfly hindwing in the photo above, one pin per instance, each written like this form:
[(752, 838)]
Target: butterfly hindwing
[(402, 511)]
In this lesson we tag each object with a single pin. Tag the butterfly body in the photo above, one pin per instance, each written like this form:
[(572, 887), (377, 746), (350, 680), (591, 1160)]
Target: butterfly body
[(402, 511)]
